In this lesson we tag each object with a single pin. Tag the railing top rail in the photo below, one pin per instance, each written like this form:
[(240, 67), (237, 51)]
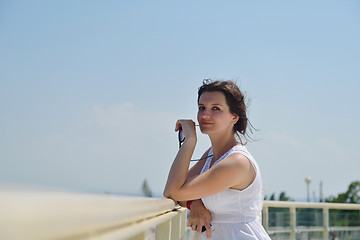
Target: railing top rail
[(288, 204), (57, 213)]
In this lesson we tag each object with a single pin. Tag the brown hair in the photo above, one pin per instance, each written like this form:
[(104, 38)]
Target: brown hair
[(235, 100)]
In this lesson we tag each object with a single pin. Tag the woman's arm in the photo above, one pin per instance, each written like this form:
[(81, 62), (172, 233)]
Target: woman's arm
[(235, 171), (199, 215), (193, 172), (179, 169)]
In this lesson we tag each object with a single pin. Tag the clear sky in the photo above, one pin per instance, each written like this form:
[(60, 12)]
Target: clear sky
[(90, 90)]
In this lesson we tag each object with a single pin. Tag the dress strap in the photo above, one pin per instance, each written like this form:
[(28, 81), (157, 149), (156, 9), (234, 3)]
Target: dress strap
[(210, 152), (236, 149), (207, 162)]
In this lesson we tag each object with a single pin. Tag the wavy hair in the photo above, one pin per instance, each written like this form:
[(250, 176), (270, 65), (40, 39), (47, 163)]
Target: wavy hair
[(236, 102)]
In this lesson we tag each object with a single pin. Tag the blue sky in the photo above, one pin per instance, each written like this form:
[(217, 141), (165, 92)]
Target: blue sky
[(90, 90)]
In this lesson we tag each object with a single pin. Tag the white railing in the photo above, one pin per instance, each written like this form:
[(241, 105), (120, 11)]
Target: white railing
[(293, 228), (36, 215)]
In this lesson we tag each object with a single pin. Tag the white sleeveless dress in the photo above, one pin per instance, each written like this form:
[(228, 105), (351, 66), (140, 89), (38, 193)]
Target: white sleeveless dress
[(236, 214)]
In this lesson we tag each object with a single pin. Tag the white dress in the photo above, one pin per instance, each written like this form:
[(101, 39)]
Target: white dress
[(236, 214)]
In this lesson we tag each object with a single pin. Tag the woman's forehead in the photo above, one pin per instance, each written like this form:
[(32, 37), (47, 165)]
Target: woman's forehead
[(215, 98)]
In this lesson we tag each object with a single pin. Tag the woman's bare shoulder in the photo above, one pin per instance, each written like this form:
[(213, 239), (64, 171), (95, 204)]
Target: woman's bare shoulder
[(240, 166)]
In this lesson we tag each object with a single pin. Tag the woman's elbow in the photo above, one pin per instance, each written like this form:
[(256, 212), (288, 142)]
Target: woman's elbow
[(169, 195), (166, 194)]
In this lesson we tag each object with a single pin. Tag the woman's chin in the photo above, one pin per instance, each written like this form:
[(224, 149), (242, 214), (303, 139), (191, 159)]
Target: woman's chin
[(205, 130)]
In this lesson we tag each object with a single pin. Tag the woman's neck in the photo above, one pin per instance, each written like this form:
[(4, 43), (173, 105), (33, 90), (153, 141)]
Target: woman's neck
[(222, 144)]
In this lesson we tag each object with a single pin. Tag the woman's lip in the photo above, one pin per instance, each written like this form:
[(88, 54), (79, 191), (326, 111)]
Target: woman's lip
[(205, 123)]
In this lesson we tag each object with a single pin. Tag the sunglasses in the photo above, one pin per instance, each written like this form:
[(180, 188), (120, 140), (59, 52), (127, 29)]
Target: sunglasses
[(181, 136), (182, 139)]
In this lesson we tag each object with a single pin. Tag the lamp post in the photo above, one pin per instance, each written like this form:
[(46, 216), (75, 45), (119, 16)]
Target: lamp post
[(307, 181)]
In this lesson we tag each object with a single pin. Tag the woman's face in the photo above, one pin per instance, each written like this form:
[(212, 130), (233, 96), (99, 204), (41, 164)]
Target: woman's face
[(214, 114)]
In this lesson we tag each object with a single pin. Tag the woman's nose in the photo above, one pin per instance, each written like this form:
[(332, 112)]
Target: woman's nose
[(205, 114)]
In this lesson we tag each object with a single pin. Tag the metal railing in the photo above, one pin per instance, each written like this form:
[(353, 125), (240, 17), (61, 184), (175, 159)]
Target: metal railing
[(301, 220), (36, 215)]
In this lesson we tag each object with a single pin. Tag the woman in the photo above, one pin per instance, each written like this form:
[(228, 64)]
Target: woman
[(228, 183)]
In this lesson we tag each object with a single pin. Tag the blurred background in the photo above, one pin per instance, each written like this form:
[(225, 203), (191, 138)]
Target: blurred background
[(90, 90)]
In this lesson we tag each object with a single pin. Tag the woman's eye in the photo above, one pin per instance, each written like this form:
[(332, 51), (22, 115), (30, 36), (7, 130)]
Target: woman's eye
[(201, 108), (216, 108)]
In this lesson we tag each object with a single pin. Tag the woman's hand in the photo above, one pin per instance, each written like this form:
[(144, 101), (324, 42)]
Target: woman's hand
[(199, 217), (188, 128)]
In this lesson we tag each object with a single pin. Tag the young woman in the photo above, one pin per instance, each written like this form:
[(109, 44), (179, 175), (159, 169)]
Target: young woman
[(225, 189)]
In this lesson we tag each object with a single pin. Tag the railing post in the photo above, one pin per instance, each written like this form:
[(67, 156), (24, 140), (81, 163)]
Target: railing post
[(293, 222), (140, 236), (265, 217), (326, 223), (163, 230), (175, 227), (183, 226)]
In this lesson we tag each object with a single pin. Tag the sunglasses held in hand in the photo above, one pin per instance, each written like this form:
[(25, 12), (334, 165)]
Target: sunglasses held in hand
[(182, 139)]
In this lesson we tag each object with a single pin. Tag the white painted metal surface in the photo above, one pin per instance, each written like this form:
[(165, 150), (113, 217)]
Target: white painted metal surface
[(40, 215), (37, 215)]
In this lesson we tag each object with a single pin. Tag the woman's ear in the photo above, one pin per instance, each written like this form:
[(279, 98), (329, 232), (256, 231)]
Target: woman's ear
[(235, 118)]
